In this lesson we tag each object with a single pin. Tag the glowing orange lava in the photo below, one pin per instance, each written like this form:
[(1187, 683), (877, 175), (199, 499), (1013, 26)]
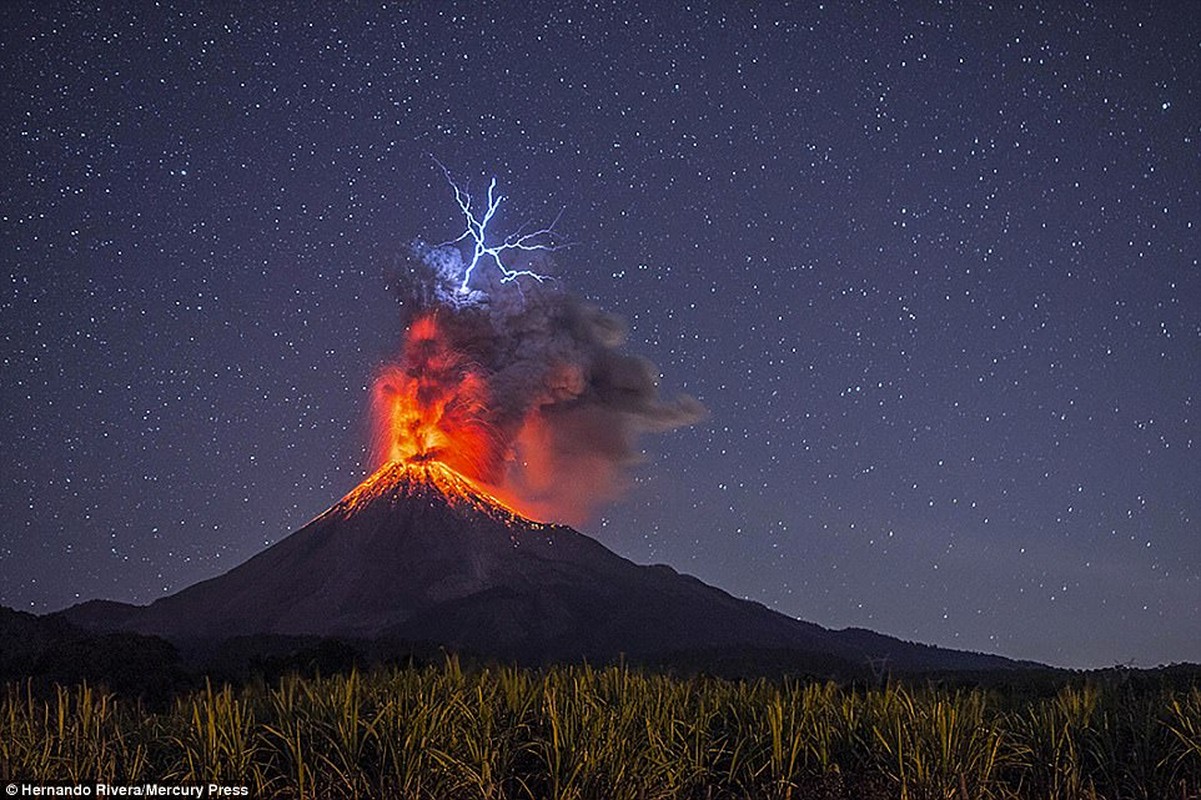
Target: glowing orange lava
[(431, 409), (409, 479)]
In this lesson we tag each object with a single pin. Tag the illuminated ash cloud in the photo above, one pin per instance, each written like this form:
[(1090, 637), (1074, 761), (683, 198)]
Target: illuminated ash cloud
[(514, 382)]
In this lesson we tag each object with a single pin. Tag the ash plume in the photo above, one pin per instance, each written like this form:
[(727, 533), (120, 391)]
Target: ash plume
[(537, 380)]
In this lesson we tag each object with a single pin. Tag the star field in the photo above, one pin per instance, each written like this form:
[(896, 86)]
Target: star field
[(932, 268)]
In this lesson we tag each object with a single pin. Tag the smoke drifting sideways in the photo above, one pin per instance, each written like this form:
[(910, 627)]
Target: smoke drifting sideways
[(518, 385)]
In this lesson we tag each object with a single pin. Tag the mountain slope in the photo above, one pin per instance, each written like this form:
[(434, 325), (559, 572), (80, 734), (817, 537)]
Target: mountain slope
[(417, 554)]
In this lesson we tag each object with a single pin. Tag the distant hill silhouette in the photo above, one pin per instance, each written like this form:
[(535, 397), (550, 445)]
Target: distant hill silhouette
[(50, 650)]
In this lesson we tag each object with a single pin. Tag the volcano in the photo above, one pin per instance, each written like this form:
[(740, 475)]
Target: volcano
[(417, 553)]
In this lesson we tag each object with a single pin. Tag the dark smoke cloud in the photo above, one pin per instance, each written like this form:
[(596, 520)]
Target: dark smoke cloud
[(567, 403)]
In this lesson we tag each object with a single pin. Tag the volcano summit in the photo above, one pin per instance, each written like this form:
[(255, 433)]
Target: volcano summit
[(417, 553)]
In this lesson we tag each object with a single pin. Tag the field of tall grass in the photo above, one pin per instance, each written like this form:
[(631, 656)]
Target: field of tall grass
[(613, 733)]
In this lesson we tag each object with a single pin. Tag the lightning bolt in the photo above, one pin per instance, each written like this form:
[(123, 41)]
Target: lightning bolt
[(477, 232)]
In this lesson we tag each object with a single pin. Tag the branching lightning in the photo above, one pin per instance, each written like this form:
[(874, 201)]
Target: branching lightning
[(477, 232)]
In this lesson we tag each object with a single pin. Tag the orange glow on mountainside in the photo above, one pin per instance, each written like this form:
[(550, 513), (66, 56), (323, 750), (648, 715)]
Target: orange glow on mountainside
[(399, 478)]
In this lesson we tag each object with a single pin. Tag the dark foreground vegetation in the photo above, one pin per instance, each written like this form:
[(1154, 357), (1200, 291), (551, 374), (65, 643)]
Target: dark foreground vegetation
[(575, 732)]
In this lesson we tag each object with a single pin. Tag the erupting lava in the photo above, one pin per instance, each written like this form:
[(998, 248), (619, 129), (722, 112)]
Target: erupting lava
[(432, 406), (432, 411)]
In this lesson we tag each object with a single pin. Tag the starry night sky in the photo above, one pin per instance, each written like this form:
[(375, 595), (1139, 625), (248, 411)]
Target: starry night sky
[(932, 268)]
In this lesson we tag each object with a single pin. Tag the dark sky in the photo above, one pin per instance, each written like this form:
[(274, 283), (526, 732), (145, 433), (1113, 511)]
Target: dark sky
[(932, 268)]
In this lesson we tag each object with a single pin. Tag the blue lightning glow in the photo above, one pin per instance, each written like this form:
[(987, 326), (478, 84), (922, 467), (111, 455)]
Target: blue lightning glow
[(477, 231)]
